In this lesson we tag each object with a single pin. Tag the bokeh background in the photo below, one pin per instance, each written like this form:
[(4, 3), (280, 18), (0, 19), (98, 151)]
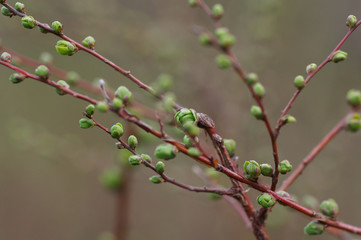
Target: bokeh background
[(49, 167)]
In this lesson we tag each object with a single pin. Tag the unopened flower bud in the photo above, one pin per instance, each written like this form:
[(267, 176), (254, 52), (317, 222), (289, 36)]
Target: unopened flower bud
[(300, 82), (112, 178), (6, 12), (16, 77), (339, 56), (43, 30), (6, 57), (266, 200), (188, 141), (165, 151), (289, 119), (42, 72), (230, 145), (102, 106), (227, 40), (259, 90), (252, 170), (160, 167), (217, 11), (284, 194), (191, 128), (28, 22), (65, 48), (353, 98), (219, 32), (353, 122), (134, 160), (124, 94), (156, 179), (132, 141), (223, 61), (284, 167), (146, 158), (311, 68), (351, 21), (117, 103), (186, 115), (266, 170), (194, 152), (205, 39), (252, 78), (314, 228), (63, 84), (89, 42), (57, 27), (193, 3), (46, 58), (117, 130), (329, 208), (86, 123), (257, 112), (89, 110), (20, 7)]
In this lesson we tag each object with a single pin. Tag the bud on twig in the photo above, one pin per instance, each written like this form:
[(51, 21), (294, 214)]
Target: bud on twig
[(353, 98), (353, 122), (186, 115), (230, 144), (89, 42), (259, 90), (6, 12), (223, 61), (351, 21), (252, 170), (193, 3), (124, 94), (102, 106), (117, 130), (57, 27), (134, 160), (146, 158), (266, 200), (252, 78), (20, 7), (256, 111), (156, 179), (86, 123), (300, 82), (339, 56), (311, 68), (89, 110), (42, 71), (329, 208), (6, 57), (28, 22), (65, 48), (160, 167), (132, 141), (64, 84), (205, 39), (217, 11), (194, 152), (314, 228), (284, 167), (266, 170), (16, 77), (165, 151)]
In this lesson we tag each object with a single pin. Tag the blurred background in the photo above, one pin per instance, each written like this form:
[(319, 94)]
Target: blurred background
[(50, 168)]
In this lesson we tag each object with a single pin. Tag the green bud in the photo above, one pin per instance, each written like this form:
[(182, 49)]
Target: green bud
[(42, 72), (339, 56), (353, 98), (353, 122), (212, 173), (20, 7), (311, 68), (156, 179), (63, 84), (259, 90), (314, 228), (252, 170), (219, 32), (214, 196), (46, 58), (329, 208), (188, 141), (289, 119), (165, 151), (193, 3), (89, 110), (134, 160), (205, 39), (89, 42), (217, 11), (230, 145), (28, 22), (102, 106), (266, 170), (6, 12), (266, 200), (351, 21), (112, 179), (251, 78), (257, 112), (132, 141), (223, 61), (72, 77), (6, 57), (124, 94), (186, 115), (284, 194), (16, 77), (227, 40), (147, 158), (284, 167), (86, 123), (300, 82), (65, 48), (191, 128), (117, 103), (194, 152), (160, 167), (117, 130), (57, 27)]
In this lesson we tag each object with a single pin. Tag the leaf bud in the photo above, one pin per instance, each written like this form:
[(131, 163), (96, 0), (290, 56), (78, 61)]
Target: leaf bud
[(329, 208), (259, 90), (165, 151), (252, 78), (57, 27), (353, 98), (46, 58), (124, 94), (156, 179), (16, 77), (230, 145), (351, 21), (339, 56), (284, 167), (20, 7), (63, 84), (89, 42), (191, 128), (257, 112), (217, 11), (89, 110), (117, 130), (186, 115), (194, 152), (353, 122), (314, 228), (117, 103), (300, 82), (42, 72), (227, 40), (223, 61), (6, 57), (65, 48), (205, 39), (266, 200), (188, 141), (311, 68), (6, 12), (86, 123), (146, 158), (219, 32), (160, 167), (102, 106), (193, 3), (284, 194), (112, 178), (134, 160), (266, 170), (28, 22), (289, 119), (252, 170), (132, 141)]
